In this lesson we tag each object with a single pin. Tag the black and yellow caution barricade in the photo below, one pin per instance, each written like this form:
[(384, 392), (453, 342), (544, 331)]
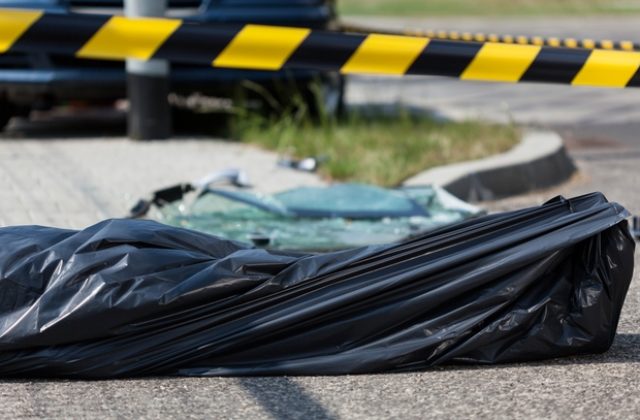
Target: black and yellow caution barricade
[(587, 43), (260, 47)]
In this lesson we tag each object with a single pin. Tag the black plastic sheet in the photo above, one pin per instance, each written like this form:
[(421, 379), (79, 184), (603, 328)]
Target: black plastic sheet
[(129, 298)]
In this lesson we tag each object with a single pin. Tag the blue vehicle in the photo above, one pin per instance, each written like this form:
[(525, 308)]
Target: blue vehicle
[(40, 81)]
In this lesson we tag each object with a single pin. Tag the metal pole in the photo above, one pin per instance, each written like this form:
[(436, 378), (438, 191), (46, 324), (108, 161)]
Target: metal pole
[(148, 83)]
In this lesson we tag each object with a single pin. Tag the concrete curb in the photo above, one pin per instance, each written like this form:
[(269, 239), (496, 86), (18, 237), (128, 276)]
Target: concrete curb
[(539, 161)]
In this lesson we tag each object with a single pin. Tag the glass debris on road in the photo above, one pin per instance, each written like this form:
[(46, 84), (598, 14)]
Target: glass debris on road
[(311, 218)]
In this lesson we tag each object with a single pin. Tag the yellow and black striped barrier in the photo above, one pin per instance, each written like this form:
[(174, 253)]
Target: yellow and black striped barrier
[(273, 48), (586, 43)]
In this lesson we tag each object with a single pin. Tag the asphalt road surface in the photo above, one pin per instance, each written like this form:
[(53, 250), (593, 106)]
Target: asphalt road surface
[(602, 386), (603, 132)]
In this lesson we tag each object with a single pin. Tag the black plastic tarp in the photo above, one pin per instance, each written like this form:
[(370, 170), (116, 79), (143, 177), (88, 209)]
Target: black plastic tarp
[(129, 298)]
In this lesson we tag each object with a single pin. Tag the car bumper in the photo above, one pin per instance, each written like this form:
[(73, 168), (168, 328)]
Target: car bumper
[(21, 86)]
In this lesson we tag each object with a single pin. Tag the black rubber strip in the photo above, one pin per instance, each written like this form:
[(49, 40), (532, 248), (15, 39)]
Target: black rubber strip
[(197, 43), (324, 51), (59, 34), (635, 80), (559, 65), (445, 58)]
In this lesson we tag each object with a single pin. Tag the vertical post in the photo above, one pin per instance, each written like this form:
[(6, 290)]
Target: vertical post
[(148, 84)]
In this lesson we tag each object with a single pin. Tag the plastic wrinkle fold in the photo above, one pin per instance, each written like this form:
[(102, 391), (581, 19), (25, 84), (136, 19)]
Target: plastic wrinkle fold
[(130, 298)]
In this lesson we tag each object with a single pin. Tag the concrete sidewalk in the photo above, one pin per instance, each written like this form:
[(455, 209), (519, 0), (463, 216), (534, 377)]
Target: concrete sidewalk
[(79, 182)]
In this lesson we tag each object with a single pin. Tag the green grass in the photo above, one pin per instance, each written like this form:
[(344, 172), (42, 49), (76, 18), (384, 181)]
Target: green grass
[(382, 150), (486, 7)]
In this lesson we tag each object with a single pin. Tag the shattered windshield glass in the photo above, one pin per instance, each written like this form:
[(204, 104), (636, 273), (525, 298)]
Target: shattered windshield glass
[(318, 219)]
